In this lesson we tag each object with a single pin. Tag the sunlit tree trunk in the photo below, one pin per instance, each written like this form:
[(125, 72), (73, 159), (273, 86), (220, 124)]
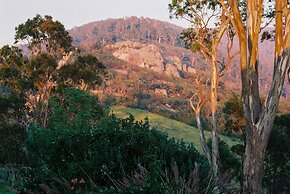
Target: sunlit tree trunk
[(210, 53), (213, 99), (214, 120), (259, 119)]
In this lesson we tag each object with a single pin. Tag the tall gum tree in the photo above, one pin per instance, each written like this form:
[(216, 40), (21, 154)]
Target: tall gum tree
[(260, 118), (48, 43), (204, 39), (247, 18)]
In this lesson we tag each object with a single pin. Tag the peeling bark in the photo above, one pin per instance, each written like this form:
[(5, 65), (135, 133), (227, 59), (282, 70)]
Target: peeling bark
[(253, 163), (202, 139), (215, 144), (259, 119)]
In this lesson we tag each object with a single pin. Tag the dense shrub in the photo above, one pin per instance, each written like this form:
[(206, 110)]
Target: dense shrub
[(11, 141), (114, 148), (12, 134), (109, 148), (109, 101), (277, 166), (11, 108), (74, 108)]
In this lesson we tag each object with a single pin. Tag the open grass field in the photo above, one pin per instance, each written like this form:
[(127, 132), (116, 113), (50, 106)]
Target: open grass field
[(173, 128)]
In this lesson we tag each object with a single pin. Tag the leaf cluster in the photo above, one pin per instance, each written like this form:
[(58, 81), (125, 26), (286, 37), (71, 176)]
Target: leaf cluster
[(277, 166), (43, 34), (190, 38), (180, 8), (12, 67), (86, 68)]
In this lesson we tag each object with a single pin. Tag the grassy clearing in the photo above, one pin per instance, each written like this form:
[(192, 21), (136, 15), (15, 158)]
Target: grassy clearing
[(172, 127)]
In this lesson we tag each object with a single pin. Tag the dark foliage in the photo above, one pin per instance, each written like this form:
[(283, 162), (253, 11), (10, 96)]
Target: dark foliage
[(12, 137), (277, 166), (73, 108), (76, 147), (12, 133)]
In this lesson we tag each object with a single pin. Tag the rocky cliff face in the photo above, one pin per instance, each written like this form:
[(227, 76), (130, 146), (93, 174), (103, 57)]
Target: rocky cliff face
[(147, 56), (150, 57)]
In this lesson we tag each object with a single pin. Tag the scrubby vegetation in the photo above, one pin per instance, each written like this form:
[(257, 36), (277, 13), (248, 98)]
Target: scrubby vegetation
[(82, 142)]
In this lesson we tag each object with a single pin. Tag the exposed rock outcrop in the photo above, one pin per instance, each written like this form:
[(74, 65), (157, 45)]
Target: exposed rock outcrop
[(161, 91), (177, 62), (180, 67), (146, 56), (171, 70)]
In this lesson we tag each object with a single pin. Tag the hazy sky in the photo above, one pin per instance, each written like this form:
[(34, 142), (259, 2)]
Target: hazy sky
[(76, 12)]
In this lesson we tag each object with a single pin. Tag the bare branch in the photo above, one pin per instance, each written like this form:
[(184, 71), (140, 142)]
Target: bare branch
[(230, 56), (201, 101)]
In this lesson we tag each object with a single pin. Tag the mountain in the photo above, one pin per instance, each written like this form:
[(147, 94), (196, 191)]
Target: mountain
[(151, 69), (143, 30), (150, 43)]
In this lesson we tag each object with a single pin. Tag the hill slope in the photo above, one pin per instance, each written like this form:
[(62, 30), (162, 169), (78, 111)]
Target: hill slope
[(144, 30), (172, 127)]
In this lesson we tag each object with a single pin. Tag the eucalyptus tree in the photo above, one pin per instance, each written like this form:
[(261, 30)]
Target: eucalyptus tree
[(44, 35), (84, 72), (204, 39), (51, 62), (246, 20)]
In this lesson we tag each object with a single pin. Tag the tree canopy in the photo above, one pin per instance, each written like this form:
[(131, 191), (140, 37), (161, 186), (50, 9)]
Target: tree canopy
[(52, 62), (43, 34)]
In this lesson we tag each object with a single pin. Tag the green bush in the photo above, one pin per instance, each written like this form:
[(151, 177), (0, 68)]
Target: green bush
[(277, 166), (74, 108), (12, 134), (12, 137), (114, 148), (76, 147)]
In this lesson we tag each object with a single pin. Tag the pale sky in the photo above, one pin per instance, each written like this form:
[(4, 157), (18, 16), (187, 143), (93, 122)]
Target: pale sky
[(74, 13)]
